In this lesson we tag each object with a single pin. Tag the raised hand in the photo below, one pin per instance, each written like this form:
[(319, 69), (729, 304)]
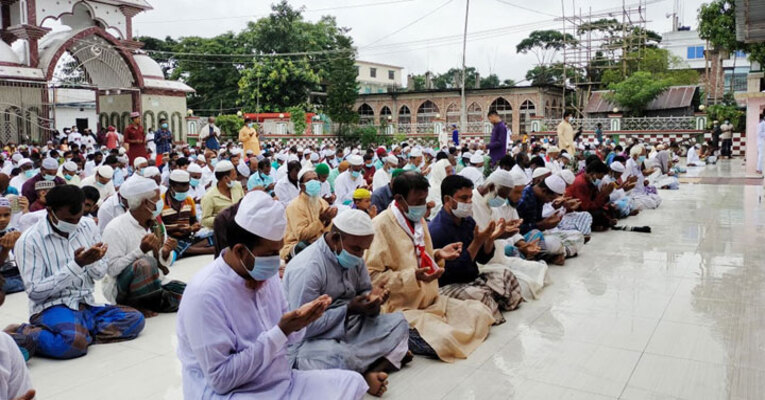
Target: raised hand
[(296, 320)]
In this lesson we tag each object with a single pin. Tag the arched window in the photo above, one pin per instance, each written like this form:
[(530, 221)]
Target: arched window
[(404, 119), (366, 114), (176, 121), (453, 114), (503, 108), (426, 114), (386, 115), (474, 113), (528, 110)]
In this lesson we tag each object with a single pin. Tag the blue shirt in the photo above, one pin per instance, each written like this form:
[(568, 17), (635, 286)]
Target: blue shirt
[(212, 142), (257, 179), (163, 138), (444, 231), (11, 190), (382, 197), (456, 137), (529, 209)]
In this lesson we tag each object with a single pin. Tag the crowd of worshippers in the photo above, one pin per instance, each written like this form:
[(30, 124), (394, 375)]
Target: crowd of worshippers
[(348, 262)]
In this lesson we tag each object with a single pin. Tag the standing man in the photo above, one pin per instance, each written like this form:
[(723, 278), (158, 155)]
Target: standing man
[(498, 143), (598, 133), (566, 134), (455, 135), (164, 140), (209, 134), (249, 137), (727, 139), (760, 142), (135, 138)]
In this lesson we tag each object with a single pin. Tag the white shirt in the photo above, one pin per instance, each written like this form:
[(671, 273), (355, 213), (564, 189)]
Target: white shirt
[(46, 262), (474, 174), (345, 185), (285, 191), (326, 189), (380, 179), (90, 166), (281, 172), (693, 157), (104, 190), (18, 181), (14, 375), (26, 221), (109, 209), (88, 140), (76, 138), (124, 235)]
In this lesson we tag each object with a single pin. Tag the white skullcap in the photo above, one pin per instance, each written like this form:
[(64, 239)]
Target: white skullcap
[(300, 149), (17, 157), (292, 158), (567, 176), (180, 176), (244, 170), (476, 159), (260, 215), (355, 160), (617, 166), (354, 222), (105, 171), (541, 171), (329, 153), (553, 149), (391, 159), (202, 158), (50, 163), (303, 172), (479, 152), (121, 151), (194, 169), (150, 172), (355, 151), (567, 156), (138, 161), (520, 178), (235, 151), (556, 184), (123, 159), (24, 161), (500, 177), (467, 154), (224, 166), (135, 186), (70, 166), (415, 153)]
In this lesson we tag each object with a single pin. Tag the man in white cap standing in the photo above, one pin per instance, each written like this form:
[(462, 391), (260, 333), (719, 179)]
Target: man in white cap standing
[(227, 191), (69, 173), (352, 334), (139, 165), (224, 355), (101, 180), (137, 254), (350, 180), (474, 172), (47, 172)]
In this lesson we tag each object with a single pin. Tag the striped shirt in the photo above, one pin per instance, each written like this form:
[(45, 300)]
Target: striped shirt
[(51, 276)]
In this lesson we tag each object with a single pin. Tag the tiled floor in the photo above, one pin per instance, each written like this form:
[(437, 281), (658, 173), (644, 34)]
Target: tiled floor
[(675, 314)]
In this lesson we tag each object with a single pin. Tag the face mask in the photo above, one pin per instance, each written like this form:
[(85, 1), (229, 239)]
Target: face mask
[(463, 210), (164, 126), (157, 208), (369, 165), (68, 177), (99, 184), (346, 259), (29, 173), (250, 125), (230, 184), (496, 202), (193, 182), (49, 177), (355, 174), (264, 267), (641, 159), (416, 213), (596, 182), (141, 171), (313, 188), (213, 161), (63, 226), (180, 196)]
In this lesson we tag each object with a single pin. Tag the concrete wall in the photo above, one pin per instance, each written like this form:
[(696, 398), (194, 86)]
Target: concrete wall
[(381, 82), (115, 110), (22, 114), (173, 108), (67, 117)]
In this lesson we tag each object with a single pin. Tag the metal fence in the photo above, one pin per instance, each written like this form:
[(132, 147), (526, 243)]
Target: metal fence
[(629, 123)]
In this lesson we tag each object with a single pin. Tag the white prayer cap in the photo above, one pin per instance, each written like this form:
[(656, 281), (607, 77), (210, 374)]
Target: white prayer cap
[(16, 157), (221, 152), (201, 158), (50, 163), (235, 151), (467, 154), (479, 152), (292, 158), (567, 176), (224, 166), (24, 161), (355, 151), (617, 166), (553, 149), (329, 153), (194, 169), (139, 160), (391, 159), (354, 222), (314, 157), (300, 149), (431, 152), (567, 156), (355, 160), (520, 178), (260, 215), (150, 172), (500, 177), (121, 151), (281, 157), (476, 159), (105, 171), (244, 170), (556, 184), (303, 172), (70, 166), (541, 171), (123, 159), (136, 185), (416, 152), (180, 176), (637, 149)]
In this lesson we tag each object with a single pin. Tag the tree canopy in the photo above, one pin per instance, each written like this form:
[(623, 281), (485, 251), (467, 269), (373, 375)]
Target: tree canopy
[(452, 78), (545, 45), (634, 93)]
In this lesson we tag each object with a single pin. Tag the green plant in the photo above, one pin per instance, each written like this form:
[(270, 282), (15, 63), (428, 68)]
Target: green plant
[(297, 117), (367, 135), (730, 112), (399, 137), (634, 93), (229, 124)]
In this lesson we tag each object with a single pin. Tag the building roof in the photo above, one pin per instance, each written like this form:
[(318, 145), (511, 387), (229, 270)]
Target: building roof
[(379, 64), (453, 91), (142, 4), (674, 97)]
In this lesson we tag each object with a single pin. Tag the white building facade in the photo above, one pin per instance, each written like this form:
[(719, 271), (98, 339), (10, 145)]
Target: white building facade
[(377, 78)]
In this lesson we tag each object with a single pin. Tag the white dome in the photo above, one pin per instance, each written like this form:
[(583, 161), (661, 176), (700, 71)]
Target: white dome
[(7, 55), (148, 67)]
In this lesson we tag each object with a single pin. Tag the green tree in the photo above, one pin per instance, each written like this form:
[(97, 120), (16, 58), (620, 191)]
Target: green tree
[(508, 83), (160, 50), (491, 81), (634, 93), (342, 88), (545, 45), (229, 124), (297, 117), (543, 75), (279, 82)]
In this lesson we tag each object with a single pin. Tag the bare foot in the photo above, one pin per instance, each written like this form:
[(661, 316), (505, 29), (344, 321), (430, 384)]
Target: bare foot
[(634, 213), (148, 313), (407, 358), (378, 383), (559, 260), (588, 237)]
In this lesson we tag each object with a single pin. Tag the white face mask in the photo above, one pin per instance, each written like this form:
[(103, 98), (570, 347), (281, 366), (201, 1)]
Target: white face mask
[(463, 210)]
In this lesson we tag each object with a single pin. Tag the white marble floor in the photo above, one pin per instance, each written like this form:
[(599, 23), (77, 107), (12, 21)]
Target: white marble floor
[(675, 314)]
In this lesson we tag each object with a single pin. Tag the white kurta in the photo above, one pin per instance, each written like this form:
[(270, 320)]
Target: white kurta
[(345, 185), (380, 179), (286, 191), (104, 190), (110, 209), (18, 181), (474, 174), (14, 375), (226, 356)]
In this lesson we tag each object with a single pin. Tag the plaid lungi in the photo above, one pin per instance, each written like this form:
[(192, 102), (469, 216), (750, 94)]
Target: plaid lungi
[(499, 290), (139, 285)]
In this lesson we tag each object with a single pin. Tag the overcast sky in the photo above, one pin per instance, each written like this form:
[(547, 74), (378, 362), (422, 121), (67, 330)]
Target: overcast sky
[(418, 35)]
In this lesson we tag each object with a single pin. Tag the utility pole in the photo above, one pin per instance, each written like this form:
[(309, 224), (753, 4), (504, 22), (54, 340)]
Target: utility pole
[(563, 15), (463, 106)]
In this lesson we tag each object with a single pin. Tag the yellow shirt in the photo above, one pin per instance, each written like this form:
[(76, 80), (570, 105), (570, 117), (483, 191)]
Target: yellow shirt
[(566, 137), (303, 223), (214, 202), (249, 138)]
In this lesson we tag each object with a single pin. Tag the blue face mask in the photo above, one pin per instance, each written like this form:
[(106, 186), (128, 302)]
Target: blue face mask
[(142, 171), (213, 161), (68, 177), (49, 177), (596, 182), (641, 159), (264, 267), (355, 174), (158, 208), (99, 184), (29, 173), (194, 182), (497, 202), (346, 259), (416, 213), (180, 196), (313, 188), (164, 126), (369, 165)]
